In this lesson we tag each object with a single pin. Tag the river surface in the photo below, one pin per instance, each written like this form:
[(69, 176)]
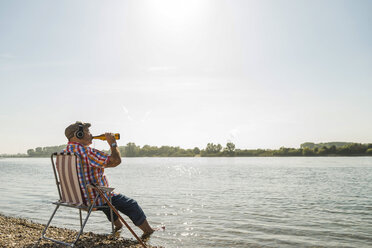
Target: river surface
[(218, 202)]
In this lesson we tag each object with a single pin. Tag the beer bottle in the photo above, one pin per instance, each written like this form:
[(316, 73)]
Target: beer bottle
[(103, 137)]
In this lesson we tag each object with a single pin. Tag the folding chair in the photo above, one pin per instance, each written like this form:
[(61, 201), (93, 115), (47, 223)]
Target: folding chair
[(70, 193)]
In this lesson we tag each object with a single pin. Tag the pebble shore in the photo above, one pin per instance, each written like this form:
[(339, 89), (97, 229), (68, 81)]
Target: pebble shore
[(17, 232)]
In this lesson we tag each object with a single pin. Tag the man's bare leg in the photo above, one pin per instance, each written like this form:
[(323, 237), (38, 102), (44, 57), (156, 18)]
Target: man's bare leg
[(118, 225), (146, 228)]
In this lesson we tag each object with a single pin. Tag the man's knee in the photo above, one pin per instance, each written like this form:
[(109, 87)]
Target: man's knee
[(126, 202), (134, 203)]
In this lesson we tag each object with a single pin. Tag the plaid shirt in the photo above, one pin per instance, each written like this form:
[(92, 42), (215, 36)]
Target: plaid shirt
[(91, 167)]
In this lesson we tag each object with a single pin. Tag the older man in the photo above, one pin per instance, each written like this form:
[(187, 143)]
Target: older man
[(92, 167)]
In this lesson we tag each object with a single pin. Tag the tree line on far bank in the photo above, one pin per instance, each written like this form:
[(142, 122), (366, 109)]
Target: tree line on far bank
[(216, 150)]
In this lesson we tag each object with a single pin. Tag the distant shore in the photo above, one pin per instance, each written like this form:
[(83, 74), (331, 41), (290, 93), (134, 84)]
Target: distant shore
[(307, 149), (216, 156), (18, 232)]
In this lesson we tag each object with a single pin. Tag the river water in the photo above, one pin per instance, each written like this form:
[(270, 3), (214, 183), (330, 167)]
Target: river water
[(218, 202)]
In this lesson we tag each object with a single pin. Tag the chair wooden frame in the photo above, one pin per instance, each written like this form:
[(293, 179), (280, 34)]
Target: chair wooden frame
[(71, 195)]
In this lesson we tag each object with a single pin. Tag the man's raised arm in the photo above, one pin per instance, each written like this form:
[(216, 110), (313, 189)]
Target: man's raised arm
[(115, 158)]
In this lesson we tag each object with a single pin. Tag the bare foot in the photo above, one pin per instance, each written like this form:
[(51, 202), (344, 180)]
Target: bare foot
[(118, 226), (146, 235), (118, 229), (160, 228)]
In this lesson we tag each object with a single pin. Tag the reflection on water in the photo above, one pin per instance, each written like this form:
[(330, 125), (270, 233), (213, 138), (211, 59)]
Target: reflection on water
[(219, 202)]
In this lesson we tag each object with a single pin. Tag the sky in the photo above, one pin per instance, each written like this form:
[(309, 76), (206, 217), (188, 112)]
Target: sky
[(260, 74)]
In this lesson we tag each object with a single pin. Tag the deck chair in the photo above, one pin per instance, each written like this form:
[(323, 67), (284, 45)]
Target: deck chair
[(70, 194)]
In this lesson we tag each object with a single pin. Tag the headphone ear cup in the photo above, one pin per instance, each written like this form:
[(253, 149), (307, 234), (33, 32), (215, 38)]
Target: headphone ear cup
[(79, 134)]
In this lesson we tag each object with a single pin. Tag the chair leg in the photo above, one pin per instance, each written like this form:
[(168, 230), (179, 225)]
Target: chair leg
[(82, 227), (61, 242), (46, 227), (50, 220), (81, 221), (112, 219)]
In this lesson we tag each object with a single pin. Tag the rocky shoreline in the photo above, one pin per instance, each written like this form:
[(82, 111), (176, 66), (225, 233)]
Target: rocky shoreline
[(17, 232)]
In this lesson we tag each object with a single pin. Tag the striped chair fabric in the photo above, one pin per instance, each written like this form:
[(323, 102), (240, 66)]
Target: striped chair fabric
[(69, 182)]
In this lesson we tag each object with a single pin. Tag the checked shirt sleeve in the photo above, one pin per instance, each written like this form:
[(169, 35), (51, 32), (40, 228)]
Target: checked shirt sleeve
[(97, 158)]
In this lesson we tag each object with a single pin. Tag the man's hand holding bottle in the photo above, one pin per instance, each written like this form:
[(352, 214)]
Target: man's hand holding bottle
[(110, 137)]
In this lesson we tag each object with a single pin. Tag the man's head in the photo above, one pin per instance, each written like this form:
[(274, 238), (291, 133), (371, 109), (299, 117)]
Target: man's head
[(79, 132)]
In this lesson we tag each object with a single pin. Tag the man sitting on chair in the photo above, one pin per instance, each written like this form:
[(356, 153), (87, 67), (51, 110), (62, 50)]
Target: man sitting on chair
[(92, 166)]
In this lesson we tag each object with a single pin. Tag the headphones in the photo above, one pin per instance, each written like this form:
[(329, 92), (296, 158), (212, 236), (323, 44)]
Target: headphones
[(80, 132)]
